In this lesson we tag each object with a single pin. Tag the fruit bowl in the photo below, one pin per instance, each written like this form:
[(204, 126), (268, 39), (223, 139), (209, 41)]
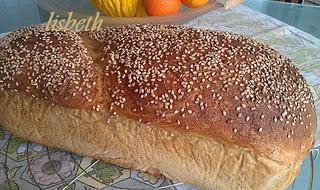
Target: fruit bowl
[(84, 9)]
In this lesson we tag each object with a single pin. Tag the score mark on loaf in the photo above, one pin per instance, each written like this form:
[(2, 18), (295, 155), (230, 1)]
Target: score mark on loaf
[(197, 106)]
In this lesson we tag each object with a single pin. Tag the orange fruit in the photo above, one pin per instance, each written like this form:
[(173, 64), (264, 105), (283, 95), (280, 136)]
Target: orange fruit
[(162, 7), (194, 3)]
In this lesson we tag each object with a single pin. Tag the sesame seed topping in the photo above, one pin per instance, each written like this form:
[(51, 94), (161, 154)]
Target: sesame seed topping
[(224, 113), (275, 119), (45, 63), (157, 70)]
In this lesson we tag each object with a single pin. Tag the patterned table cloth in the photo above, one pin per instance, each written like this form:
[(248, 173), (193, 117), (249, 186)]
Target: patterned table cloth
[(26, 165)]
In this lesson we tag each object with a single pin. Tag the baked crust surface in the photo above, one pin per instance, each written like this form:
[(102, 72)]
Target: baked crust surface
[(211, 87), (188, 157)]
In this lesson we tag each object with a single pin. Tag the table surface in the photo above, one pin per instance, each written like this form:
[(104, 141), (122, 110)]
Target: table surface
[(21, 162)]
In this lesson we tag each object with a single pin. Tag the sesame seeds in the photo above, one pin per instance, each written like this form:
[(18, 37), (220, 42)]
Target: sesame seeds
[(166, 73), (43, 64), (224, 113), (275, 119)]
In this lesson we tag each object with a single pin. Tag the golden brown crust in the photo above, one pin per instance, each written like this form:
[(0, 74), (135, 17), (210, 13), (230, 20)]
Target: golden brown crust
[(212, 83), (187, 157), (217, 84), (53, 66)]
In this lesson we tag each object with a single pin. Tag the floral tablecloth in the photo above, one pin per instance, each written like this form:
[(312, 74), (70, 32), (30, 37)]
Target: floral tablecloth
[(25, 165)]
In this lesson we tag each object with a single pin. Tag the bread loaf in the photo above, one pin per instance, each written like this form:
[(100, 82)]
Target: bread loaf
[(209, 108)]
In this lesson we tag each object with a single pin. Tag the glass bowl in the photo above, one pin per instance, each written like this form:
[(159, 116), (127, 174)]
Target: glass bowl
[(84, 9)]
